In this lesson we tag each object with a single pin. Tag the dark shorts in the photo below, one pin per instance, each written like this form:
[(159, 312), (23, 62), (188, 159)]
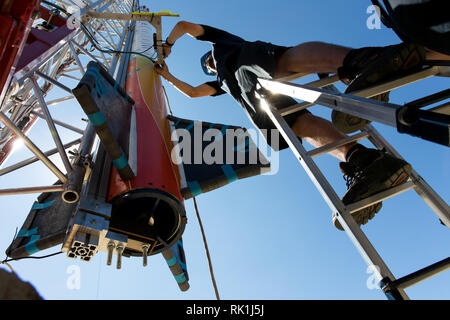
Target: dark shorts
[(261, 119)]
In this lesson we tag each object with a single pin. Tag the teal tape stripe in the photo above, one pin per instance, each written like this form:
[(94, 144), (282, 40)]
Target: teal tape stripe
[(131, 73), (224, 130), (97, 118), (195, 188), (180, 278), (242, 145), (31, 247), (27, 233), (171, 262), (183, 266), (229, 173), (40, 206), (180, 243), (121, 162), (94, 72), (190, 126), (99, 87)]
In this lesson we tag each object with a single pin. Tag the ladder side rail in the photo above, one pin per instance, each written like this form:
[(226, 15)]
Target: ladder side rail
[(374, 90), (424, 124), (359, 239), (422, 188), (386, 116)]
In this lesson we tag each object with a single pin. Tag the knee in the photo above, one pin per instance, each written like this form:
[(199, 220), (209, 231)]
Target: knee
[(303, 121)]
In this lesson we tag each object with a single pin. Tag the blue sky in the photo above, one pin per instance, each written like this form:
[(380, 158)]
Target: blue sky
[(270, 237)]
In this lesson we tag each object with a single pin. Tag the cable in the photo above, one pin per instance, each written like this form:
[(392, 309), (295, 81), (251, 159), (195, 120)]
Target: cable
[(211, 271), (92, 38), (31, 257)]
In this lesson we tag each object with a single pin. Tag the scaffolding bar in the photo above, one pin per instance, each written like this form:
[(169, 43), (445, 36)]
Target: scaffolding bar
[(27, 190), (31, 160), (33, 148), (51, 125)]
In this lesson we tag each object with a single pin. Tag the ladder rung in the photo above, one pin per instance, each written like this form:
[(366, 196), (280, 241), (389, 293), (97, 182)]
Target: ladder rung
[(331, 97), (332, 146), (292, 77), (443, 108), (420, 275), (294, 108), (364, 203), (431, 99), (397, 83)]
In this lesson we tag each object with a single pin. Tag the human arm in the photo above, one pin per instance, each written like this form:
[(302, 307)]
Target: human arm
[(190, 91), (181, 28), (200, 32)]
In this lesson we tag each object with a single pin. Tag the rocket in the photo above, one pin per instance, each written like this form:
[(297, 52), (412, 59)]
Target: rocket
[(127, 198)]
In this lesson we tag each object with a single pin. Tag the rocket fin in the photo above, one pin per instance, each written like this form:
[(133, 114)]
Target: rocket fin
[(176, 261), (236, 155), (44, 227), (108, 108)]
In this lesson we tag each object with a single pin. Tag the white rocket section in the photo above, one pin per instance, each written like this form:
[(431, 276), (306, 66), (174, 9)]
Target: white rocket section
[(143, 39)]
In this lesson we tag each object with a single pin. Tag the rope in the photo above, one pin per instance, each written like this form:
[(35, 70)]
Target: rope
[(8, 265), (167, 99), (211, 271), (207, 251)]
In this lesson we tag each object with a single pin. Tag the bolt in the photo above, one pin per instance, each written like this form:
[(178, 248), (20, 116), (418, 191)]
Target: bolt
[(145, 248), (110, 247), (119, 249)]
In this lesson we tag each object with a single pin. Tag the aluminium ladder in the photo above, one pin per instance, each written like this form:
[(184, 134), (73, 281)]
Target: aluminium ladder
[(358, 105)]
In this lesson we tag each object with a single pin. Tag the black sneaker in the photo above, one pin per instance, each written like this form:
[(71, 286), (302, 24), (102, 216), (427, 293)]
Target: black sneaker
[(368, 172), (365, 67)]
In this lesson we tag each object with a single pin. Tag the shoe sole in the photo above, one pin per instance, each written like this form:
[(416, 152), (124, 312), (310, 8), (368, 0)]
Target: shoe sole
[(394, 62), (403, 58), (347, 123), (363, 216)]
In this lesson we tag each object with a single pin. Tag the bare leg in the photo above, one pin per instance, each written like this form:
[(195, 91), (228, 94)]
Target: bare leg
[(311, 57), (319, 132)]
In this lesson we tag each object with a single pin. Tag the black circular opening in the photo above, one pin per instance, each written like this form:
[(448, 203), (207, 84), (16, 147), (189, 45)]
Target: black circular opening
[(70, 196), (148, 214)]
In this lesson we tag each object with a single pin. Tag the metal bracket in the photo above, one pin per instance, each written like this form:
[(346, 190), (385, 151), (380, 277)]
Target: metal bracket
[(154, 18)]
